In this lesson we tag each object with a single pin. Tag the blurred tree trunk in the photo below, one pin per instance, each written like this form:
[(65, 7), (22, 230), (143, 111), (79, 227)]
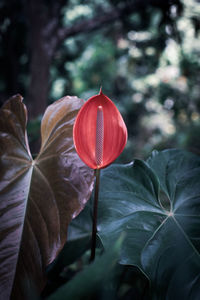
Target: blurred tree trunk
[(43, 22), (39, 80)]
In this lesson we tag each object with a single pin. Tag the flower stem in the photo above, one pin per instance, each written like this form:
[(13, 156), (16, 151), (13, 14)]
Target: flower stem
[(95, 209)]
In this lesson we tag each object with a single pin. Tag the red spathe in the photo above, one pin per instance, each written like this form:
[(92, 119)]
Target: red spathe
[(85, 131)]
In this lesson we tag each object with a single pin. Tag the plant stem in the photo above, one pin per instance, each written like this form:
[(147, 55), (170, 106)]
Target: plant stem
[(95, 209)]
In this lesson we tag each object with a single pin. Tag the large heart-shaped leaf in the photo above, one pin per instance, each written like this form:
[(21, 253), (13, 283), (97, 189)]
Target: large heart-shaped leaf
[(38, 198), (163, 242)]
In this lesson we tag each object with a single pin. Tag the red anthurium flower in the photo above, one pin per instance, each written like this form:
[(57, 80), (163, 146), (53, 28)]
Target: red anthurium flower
[(100, 133)]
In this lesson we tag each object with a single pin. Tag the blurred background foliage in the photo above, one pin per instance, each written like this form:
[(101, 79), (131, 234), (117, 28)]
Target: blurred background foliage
[(144, 54)]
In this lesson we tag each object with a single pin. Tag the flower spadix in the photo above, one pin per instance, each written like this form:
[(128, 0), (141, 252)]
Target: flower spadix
[(99, 132)]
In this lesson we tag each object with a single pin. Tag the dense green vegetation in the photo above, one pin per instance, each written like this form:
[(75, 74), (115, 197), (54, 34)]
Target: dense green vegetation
[(146, 60)]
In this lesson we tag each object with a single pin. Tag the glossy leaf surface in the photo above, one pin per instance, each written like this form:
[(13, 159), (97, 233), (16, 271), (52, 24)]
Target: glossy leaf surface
[(164, 244), (38, 198), (98, 125)]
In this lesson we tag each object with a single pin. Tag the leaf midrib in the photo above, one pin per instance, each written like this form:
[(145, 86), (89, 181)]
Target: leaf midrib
[(179, 227), (186, 236), (23, 221), (138, 197)]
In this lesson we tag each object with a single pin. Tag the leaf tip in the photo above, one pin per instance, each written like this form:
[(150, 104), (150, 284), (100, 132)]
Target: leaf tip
[(17, 97)]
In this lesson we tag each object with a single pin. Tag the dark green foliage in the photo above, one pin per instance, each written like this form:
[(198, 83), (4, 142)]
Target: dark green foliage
[(146, 60), (155, 205)]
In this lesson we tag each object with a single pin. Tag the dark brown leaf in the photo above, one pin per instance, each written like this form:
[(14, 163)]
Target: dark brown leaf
[(38, 198)]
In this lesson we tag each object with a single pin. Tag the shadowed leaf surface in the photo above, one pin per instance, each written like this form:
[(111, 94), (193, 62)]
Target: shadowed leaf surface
[(164, 244), (38, 198)]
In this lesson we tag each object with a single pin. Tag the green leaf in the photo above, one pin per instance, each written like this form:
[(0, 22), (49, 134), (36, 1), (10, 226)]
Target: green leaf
[(163, 243), (38, 198), (93, 278), (179, 237)]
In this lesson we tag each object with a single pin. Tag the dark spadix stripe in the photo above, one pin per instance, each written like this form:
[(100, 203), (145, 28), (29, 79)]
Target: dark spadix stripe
[(99, 137)]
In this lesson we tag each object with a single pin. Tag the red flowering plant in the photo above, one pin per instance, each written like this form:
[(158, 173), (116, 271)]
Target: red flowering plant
[(153, 205), (100, 136), (100, 133)]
